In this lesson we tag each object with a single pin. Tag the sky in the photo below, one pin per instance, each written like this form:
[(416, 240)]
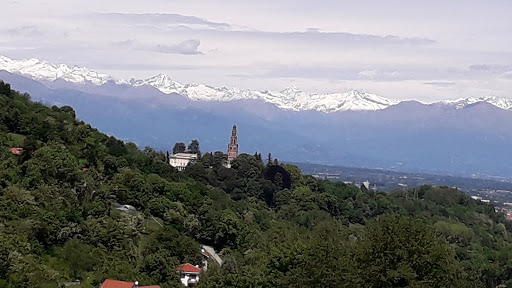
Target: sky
[(400, 49)]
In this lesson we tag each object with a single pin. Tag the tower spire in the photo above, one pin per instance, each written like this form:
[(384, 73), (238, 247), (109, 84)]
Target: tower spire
[(233, 145)]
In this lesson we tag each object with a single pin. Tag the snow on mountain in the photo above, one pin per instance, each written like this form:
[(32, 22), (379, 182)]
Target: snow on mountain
[(43, 70), (463, 102), (290, 98), (353, 100)]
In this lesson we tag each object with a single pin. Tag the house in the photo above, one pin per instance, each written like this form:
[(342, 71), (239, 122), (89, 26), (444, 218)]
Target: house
[(16, 151), (126, 208), (209, 253), (181, 160), (122, 284), (189, 274)]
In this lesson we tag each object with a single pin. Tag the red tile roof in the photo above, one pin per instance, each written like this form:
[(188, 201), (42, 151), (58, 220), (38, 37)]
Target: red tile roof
[(188, 268), (16, 151), (122, 284)]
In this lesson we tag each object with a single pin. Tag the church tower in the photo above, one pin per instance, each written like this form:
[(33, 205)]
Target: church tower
[(233, 145)]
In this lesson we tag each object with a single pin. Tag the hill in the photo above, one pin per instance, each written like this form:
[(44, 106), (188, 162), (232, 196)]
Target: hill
[(59, 220), (439, 138)]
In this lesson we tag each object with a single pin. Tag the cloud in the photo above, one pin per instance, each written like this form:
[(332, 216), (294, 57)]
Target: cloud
[(25, 31), (507, 75), (124, 43), (187, 47), (369, 74), (492, 68), (178, 22), (318, 47), (384, 73), (441, 84), (318, 37), (161, 19)]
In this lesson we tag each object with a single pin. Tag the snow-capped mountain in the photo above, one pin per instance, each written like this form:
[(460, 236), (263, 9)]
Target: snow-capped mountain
[(290, 98), (353, 100), (463, 102), (42, 70)]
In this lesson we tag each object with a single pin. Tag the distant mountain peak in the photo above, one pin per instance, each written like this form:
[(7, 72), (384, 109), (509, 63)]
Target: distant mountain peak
[(42, 70), (502, 103), (291, 89), (290, 98)]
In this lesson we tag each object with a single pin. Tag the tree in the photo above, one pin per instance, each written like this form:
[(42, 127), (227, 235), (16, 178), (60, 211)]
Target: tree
[(78, 257), (219, 158), (51, 164), (179, 147), (193, 147), (283, 177), (401, 252), (5, 88), (69, 111)]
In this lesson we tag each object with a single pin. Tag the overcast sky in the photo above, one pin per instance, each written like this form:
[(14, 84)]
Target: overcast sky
[(401, 49)]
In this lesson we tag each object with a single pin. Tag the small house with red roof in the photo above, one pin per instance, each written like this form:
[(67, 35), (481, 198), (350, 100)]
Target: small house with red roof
[(189, 274), (16, 151), (122, 284)]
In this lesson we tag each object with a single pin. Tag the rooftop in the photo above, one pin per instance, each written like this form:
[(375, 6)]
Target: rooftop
[(183, 156), (189, 268), (16, 151), (122, 284)]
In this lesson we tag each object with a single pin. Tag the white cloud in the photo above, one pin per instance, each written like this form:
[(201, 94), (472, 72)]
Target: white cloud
[(369, 74), (187, 47)]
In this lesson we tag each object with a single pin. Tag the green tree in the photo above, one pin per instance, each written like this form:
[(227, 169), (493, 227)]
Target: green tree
[(179, 148), (193, 147), (78, 256), (400, 252)]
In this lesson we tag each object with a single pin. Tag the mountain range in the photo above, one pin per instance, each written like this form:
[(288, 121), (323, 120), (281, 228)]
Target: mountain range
[(464, 137), (290, 98)]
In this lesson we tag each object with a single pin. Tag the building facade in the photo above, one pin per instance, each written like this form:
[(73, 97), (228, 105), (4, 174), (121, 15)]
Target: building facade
[(189, 274), (181, 160)]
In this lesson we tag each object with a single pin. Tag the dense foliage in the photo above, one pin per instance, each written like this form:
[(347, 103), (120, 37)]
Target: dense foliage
[(274, 226)]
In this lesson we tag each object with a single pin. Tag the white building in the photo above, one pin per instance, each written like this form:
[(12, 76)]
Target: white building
[(209, 253), (366, 184), (189, 274), (181, 160)]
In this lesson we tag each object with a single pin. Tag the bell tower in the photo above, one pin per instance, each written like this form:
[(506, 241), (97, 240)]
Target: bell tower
[(233, 145)]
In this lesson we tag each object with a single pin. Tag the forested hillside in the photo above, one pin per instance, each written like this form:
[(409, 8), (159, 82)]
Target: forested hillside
[(273, 226)]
